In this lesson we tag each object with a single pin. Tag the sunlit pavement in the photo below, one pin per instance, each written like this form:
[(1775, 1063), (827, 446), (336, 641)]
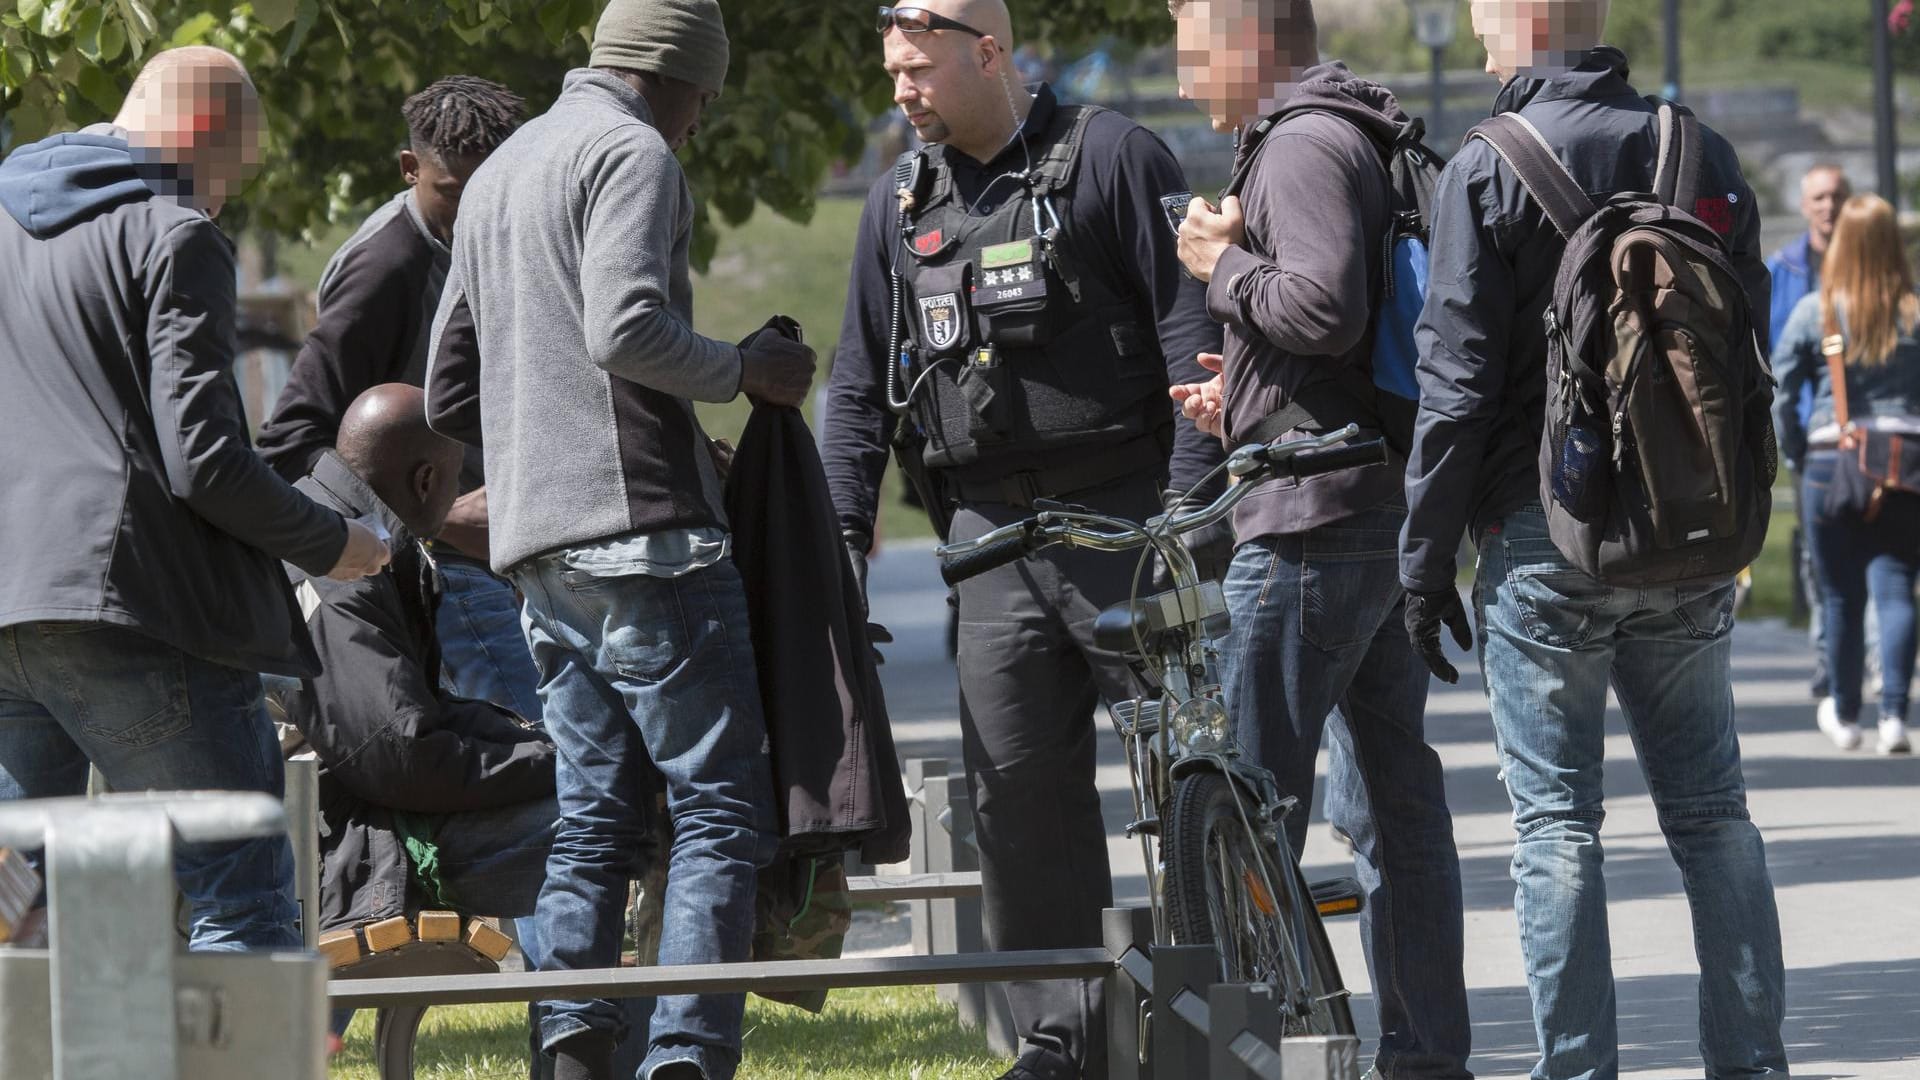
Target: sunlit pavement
[(1843, 845)]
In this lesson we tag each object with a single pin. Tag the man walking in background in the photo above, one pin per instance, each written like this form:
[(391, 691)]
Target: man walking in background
[(564, 344), (377, 298), (1795, 269), (140, 583)]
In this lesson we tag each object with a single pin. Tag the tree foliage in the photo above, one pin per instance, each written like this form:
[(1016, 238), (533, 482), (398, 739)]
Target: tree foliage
[(804, 82)]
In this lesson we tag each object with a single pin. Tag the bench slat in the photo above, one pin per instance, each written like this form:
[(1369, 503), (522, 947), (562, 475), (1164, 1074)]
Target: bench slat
[(719, 978), (916, 887)]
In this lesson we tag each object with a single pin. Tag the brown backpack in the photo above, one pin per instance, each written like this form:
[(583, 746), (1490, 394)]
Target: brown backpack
[(1658, 457)]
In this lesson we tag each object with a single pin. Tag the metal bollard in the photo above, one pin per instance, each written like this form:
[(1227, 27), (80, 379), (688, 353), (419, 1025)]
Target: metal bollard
[(1320, 1057), (920, 912), (1178, 1049), (957, 925), (114, 959), (1243, 1017), (303, 828), (1124, 929)]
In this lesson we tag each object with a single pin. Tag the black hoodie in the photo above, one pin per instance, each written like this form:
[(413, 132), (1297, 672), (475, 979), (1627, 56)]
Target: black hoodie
[(132, 493), (1296, 296)]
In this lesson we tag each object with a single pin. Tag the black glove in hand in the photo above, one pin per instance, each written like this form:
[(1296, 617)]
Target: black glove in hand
[(1426, 611), (858, 544)]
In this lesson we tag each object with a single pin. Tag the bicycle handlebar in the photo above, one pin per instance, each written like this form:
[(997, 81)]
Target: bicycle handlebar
[(1252, 464)]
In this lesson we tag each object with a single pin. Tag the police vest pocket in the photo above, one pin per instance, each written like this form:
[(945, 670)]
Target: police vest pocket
[(942, 325)]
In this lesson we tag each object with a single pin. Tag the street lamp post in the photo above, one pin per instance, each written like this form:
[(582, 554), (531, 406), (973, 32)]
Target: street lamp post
[(1434, 24), (1671, 21), (1883, 132)]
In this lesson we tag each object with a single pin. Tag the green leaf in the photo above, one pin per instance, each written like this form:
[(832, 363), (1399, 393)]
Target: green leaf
[(57, 17), (194, 30), (275, 14), (29, 10), (141, 27), (556, 19), (305, 15), (86, 33), (16, 65), (113, 39), (100, 89)]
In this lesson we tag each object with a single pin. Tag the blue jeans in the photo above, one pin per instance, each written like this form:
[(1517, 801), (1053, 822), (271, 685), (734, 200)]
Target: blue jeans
[(1551, 641), (483, 654), (641, 673), (1318, 625), (1860, 562), (152, 717)]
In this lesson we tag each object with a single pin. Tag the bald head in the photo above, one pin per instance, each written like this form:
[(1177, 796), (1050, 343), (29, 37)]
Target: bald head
[(956, 87), (196, 108), (384, 439)]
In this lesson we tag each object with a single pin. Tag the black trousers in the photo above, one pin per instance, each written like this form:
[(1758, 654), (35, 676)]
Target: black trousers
[(1030, 683)]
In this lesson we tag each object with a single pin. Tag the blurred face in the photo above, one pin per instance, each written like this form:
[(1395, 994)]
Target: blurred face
[(437, 181), (1822, 194), (678, 107), (206, 119), (1537, 38), (1238, 59), (435, 484), (945, 81)]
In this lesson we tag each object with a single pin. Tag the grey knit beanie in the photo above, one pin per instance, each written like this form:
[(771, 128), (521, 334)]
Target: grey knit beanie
[(681, 39)]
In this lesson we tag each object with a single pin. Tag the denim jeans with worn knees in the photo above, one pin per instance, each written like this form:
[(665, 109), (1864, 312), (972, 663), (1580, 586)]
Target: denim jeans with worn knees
[(1318, 626), (1551, 641), (637, 669), (483, 654), (150, 716)]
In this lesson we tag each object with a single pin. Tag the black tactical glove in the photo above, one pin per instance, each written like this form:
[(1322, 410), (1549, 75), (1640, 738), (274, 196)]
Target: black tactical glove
[(858, 544), (1426, 611), (1211, 548)]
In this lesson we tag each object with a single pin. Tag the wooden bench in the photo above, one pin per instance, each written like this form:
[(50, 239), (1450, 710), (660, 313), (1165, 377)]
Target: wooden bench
[(430, 944)]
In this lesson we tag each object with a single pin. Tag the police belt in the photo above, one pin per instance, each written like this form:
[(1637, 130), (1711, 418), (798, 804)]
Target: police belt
[(1135, 457)]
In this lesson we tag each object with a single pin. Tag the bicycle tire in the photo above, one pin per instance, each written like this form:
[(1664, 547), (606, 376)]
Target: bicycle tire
[(1204, 835)]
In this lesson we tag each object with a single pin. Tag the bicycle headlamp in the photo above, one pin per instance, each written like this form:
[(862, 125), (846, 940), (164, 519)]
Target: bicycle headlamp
[(1200, 724)]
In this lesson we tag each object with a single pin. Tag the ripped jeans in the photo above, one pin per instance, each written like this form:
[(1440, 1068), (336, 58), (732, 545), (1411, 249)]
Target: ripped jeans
[(1551, 640)]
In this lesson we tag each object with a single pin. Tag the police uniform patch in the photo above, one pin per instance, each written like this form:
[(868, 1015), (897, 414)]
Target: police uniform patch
[(1175, 207), (1716, 213), (927, 242), (940, 320)]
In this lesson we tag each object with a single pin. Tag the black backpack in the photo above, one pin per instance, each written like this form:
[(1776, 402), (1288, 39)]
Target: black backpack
[(1658, 458), (1387, 390)]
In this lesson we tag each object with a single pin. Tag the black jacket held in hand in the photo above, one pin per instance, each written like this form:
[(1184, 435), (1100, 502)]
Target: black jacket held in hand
[(132, 493), (836, 776), (389, 738), (1482, 341)]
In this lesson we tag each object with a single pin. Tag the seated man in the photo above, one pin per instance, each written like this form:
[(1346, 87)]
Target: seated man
[(428, 800)]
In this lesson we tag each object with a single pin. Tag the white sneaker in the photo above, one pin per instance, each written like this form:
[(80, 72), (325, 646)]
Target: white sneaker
[(1893, 736), (1844, 733)]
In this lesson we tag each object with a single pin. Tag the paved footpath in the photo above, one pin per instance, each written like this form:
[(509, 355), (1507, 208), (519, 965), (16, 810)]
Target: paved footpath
[(1843, 844)]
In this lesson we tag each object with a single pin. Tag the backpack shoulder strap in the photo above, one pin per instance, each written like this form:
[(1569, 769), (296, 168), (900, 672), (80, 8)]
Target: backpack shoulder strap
[(1055, 168), (1527, 153), (1676, 180), (1833, 345)]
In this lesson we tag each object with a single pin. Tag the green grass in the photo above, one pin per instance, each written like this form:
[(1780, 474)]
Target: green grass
[(1772, 592), (888, 1033)]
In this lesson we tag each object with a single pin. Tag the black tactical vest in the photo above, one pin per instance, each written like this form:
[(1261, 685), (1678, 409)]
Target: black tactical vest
[(1031, 347)]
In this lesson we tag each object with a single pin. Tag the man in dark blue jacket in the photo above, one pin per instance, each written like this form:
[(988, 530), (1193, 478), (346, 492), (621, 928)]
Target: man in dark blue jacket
[(1796, 273), (140, 583), (1551, 638)]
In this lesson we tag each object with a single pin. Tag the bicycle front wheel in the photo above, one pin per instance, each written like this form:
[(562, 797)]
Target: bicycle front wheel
[(1226, 888)]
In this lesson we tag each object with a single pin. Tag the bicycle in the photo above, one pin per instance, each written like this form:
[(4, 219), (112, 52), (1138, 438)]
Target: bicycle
[(1219, 869)]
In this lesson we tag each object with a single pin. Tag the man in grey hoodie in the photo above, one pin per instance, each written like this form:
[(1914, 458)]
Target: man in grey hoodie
[(1292, 265), (564, 346)]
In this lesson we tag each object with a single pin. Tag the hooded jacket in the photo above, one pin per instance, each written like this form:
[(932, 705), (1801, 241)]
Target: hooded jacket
[(135, 497), (835, 772), (1296, 295), (1490, 275), (391, 741)]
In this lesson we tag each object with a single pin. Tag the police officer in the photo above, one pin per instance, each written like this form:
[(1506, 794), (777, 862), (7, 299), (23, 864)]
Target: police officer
[(1016, 314)]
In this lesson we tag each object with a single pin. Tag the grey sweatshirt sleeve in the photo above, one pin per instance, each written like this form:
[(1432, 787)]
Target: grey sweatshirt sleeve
[(1308, 306), (197, 416), (637, 223)]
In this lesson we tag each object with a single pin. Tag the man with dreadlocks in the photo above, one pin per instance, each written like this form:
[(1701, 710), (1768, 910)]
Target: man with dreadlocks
[(377, 298)]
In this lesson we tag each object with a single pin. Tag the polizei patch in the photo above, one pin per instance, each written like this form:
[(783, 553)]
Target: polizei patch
[(940, 320), (1175, 207)]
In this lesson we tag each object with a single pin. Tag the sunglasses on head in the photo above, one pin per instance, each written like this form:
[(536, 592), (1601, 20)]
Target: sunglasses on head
[(915, 20)]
